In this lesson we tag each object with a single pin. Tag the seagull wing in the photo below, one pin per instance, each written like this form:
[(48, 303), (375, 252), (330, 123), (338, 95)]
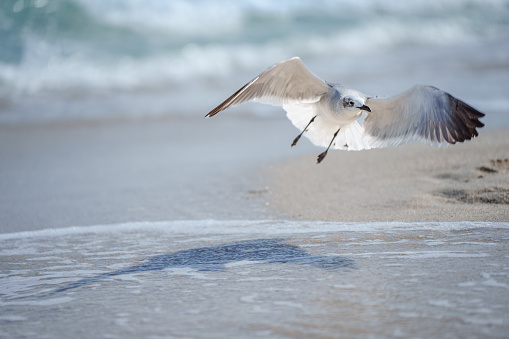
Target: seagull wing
[(422, 113), (286, 82)]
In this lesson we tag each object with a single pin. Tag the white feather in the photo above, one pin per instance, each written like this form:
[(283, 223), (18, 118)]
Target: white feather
[(321, 131)]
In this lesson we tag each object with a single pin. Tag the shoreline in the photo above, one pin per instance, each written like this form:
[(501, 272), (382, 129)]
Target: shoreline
[(410, 183), (95, 173), (83, 173)]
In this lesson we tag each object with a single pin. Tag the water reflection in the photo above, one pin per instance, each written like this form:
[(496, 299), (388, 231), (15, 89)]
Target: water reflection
[(214, 258)]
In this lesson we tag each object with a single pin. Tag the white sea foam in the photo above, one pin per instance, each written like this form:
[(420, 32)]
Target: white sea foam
[(47, 302), (267, 227), (422, 254), (12, 318)]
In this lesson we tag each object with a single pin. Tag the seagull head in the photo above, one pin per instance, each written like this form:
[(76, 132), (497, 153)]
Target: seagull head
[(355, 103)]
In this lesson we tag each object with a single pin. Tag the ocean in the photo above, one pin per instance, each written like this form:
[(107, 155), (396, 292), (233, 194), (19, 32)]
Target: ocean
[(92, 59)]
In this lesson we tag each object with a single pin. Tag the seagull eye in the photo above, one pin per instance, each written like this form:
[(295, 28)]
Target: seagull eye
[(348, 103)]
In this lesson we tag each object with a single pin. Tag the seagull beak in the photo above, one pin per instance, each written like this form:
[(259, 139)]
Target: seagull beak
[(364, 108)]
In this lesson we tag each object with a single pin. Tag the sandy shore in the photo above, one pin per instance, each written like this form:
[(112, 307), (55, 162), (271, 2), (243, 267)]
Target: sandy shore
[(415, 182), (105, 172), (182, 168)]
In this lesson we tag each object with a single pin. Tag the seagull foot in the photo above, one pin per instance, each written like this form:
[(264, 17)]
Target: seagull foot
[(296, 140), (321, 156)]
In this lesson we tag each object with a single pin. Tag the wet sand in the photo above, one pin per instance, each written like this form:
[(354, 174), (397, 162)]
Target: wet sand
[(81, 174), (414, 182), (102, 172)]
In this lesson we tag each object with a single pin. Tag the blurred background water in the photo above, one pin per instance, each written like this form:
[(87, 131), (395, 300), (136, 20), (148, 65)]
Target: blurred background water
[(94, 59)]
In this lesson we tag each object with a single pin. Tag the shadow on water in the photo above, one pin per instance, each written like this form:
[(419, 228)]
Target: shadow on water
[(214, 258)]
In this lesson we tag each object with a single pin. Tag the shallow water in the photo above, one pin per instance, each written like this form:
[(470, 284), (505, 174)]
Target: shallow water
[(209, 278)]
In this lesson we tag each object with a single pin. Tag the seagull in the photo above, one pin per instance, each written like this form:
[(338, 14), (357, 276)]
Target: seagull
[(331, 115)]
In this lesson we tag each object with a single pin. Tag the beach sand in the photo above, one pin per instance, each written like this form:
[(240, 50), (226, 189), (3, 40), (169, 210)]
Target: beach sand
[(122, 171), (414, 183), (81, 173)]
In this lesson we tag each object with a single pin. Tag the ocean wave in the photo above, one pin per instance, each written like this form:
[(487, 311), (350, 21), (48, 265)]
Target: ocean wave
[(52, 45), (90, 46)]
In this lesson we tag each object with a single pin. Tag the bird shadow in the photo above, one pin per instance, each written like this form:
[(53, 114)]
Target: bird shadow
[(215, 258)]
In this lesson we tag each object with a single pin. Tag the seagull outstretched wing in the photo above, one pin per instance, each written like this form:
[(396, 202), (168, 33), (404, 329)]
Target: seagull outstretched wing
[(422, 113), (286, 82)]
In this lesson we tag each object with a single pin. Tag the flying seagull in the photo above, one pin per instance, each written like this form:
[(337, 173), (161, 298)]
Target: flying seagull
[(331, 115)]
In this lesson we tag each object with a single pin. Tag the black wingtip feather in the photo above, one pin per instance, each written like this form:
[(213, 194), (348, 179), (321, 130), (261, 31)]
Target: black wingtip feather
[(227, 103), (464, 121)]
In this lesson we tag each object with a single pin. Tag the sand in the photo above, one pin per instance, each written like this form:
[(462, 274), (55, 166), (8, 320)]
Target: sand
[(83, 173), (414, 182)]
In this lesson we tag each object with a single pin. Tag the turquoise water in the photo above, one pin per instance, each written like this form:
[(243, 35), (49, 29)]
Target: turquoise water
[(62, 59)]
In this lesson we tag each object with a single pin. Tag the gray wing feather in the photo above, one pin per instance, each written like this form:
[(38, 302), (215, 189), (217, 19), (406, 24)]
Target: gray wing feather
[(422, 113), (286, 82)]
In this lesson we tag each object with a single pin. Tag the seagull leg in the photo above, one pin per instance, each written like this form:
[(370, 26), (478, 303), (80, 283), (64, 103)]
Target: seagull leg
[(321, 156), (304, 130)]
